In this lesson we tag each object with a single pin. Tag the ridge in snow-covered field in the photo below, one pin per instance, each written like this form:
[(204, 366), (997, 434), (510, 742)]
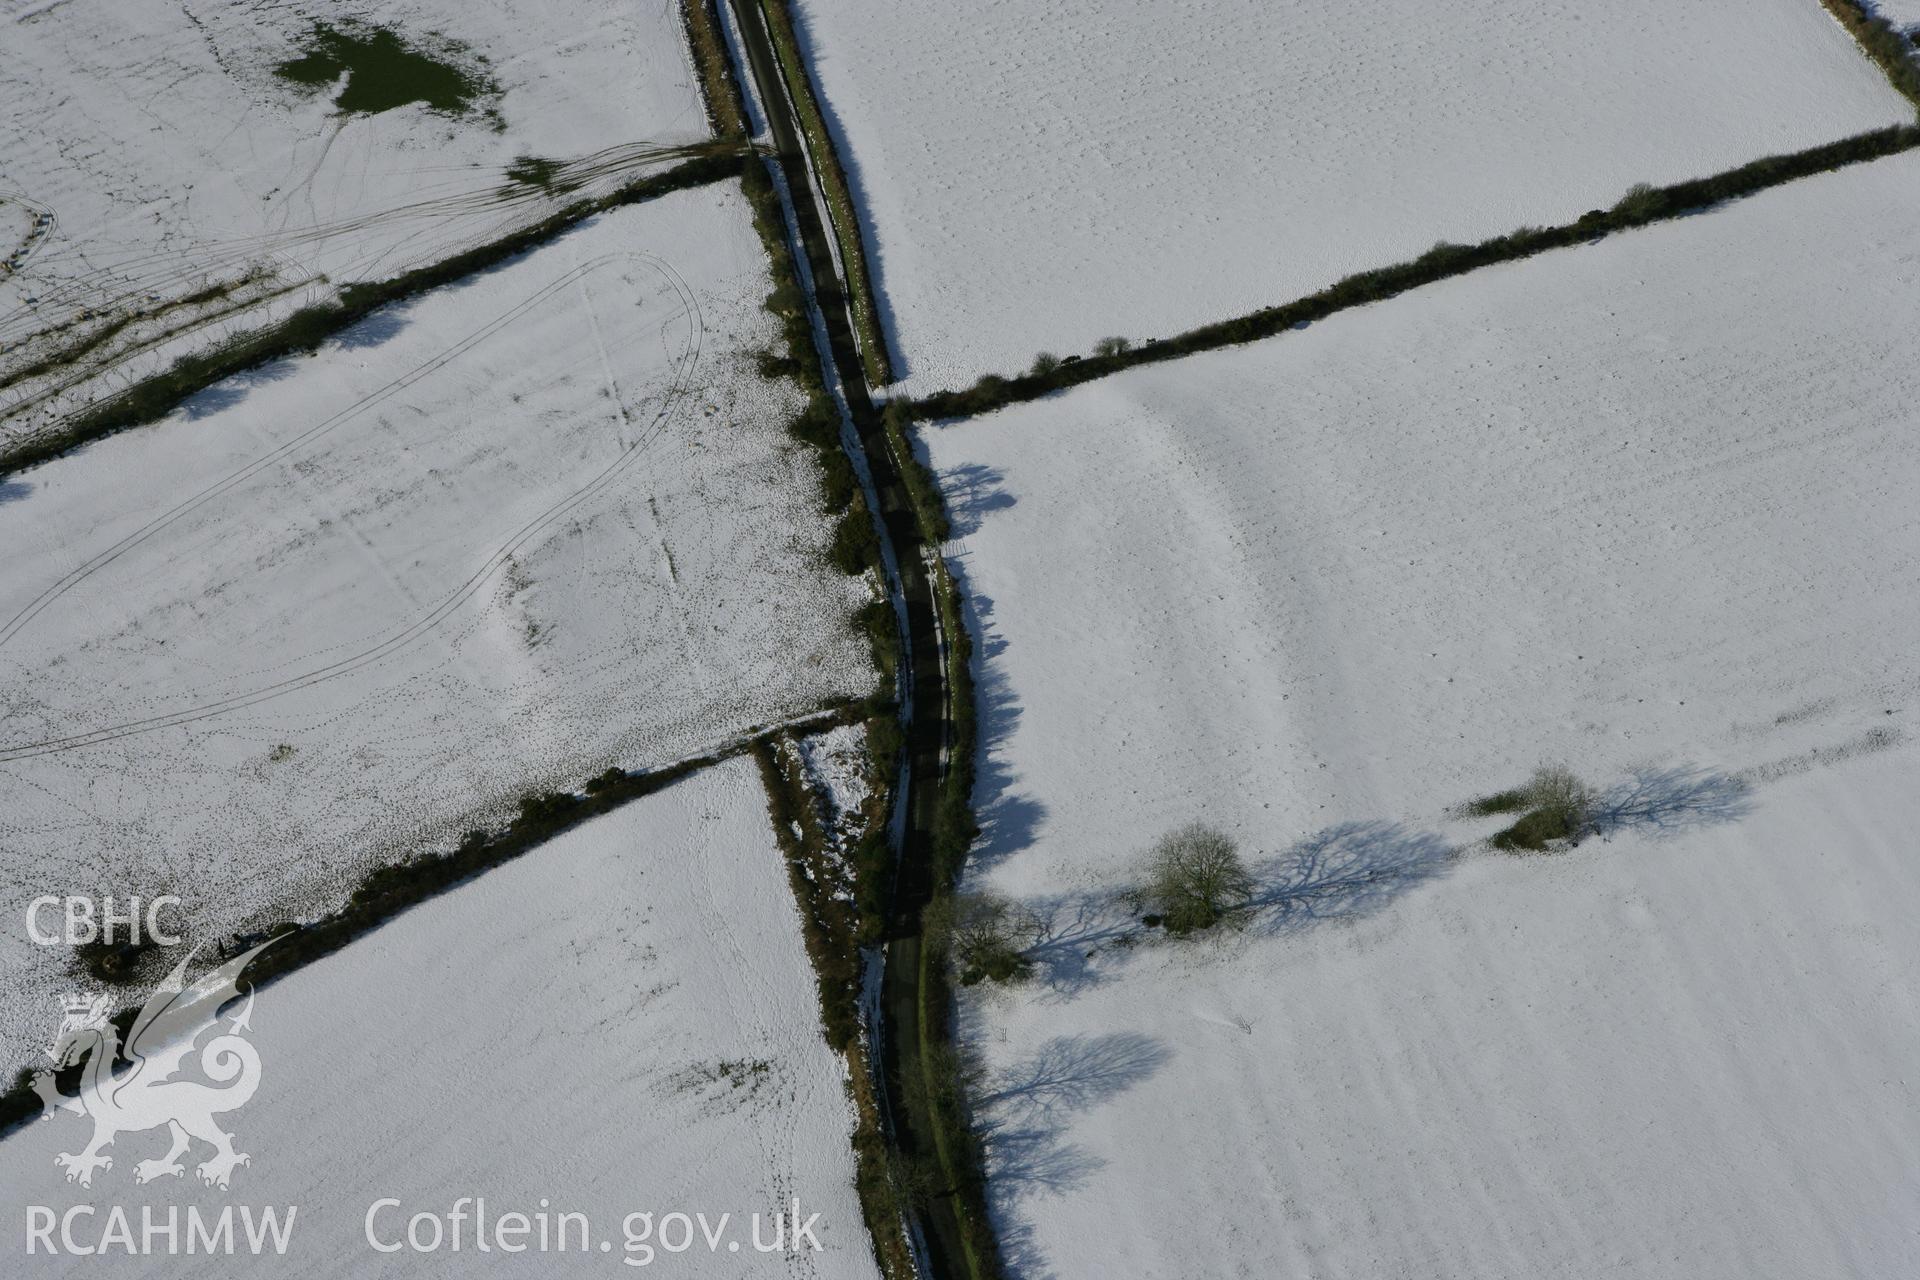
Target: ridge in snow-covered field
[(1644, 507), (1039, 178)]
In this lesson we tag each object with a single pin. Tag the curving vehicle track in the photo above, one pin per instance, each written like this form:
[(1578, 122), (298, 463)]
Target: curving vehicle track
[(43, 220)]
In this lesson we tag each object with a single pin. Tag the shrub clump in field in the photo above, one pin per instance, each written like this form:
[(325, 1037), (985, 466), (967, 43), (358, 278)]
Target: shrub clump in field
[(542, 174), (1511, 801), (116, 964), (983, 934), (855, 546), (1196, 879), (1641, 203), (1559, 806)]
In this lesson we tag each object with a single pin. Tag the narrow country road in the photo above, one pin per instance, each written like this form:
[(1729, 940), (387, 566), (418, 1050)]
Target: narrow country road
[(925, 721)]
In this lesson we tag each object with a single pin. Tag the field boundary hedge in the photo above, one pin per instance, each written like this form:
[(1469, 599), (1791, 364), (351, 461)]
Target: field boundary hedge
[(153, 397), (726, 110), (1889, 47), (1639, 207), (830, 928)]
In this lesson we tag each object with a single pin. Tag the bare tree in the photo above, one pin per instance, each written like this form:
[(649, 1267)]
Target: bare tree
[(915, 1179), (984, 934), (1564, 803), (1196, 878)]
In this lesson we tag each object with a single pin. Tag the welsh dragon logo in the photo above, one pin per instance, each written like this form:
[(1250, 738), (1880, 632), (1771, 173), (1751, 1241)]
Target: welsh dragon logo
[(143, 1094)]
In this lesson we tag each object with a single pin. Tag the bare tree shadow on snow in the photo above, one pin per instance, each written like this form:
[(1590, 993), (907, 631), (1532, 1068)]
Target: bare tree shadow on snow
[(1009, 817), (1343, 871), (1671, 800), (1071, 929), (973, 492), (14, 490), (1073, 1073), (1027, 1110), (1018, 1248)]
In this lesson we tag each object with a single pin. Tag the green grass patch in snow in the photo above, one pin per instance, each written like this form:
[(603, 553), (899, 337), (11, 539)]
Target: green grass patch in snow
[(376, 70)]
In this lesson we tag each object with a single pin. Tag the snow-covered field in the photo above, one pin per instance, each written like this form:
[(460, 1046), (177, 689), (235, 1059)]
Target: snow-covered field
[(622, 1021), (492, 541), (168, 156), (1686, 1057), (1038, 178), (1644, 507)]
